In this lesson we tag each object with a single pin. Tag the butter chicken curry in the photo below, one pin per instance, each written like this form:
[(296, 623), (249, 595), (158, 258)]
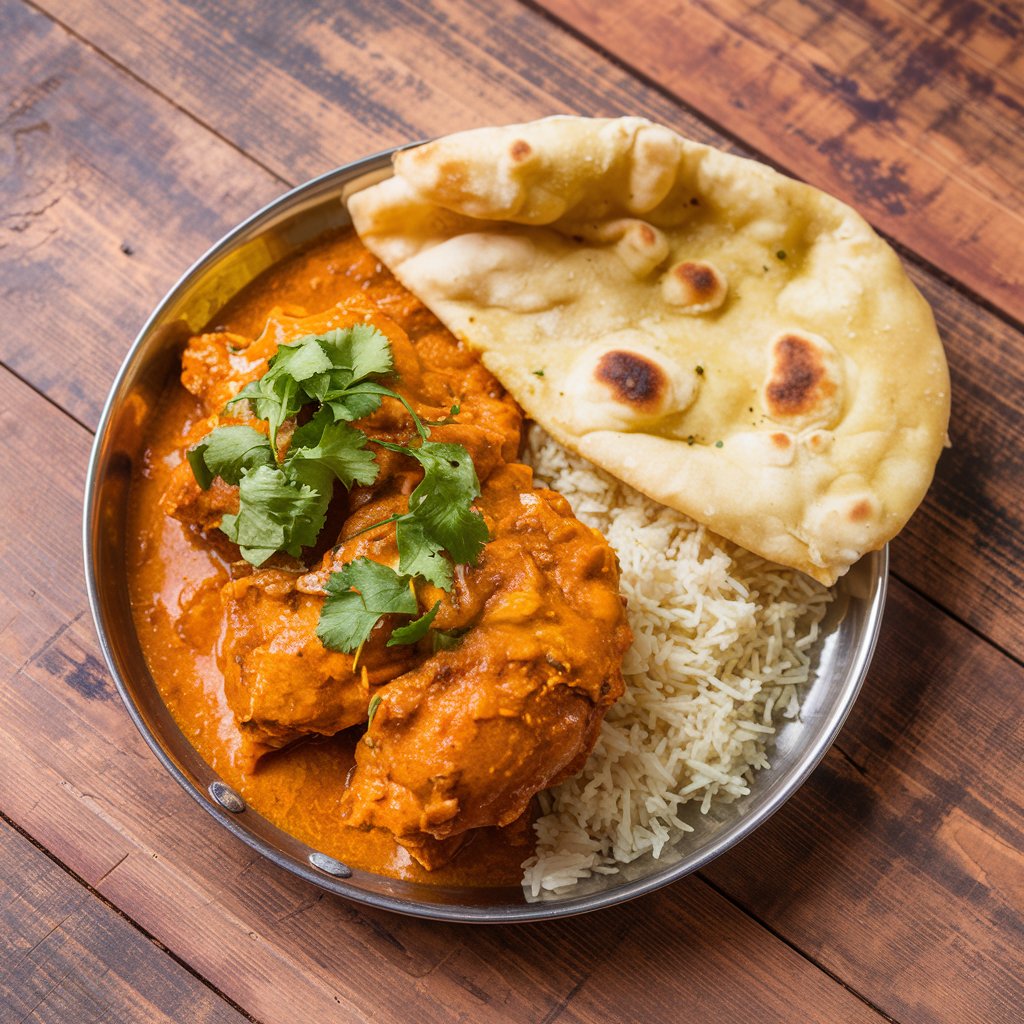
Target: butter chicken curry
[(416, 751)]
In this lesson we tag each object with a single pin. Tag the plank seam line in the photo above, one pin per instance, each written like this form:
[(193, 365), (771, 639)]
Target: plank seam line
[(907, 253), (106, 874), (796, 949), (91, 431), (120, 913), (1016, 659), (857, 766), (563, 1004), (46, 995), (149, 87)]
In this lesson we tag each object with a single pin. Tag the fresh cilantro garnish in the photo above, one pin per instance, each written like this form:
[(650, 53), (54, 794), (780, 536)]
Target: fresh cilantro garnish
[(440, 516), (283, 501), (281, 507), (333, 369), (415, 630), (275, 513), (228, 452), (440, 520), (358, 595), (323, 445)]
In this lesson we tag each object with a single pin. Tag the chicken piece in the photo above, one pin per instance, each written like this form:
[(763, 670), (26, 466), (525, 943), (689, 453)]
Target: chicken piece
[(465, 740), (280, 680)]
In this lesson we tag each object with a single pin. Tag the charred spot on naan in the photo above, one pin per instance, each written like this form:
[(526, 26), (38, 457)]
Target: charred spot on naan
[(694, 286), (804, 383), (624, 383), (634, 380)]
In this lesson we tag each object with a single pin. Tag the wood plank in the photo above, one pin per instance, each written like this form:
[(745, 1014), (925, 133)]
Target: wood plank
[(306, 102), (66, 956), (914, 113), (104, 202), (920, 827), (87, 787), (101, 833)]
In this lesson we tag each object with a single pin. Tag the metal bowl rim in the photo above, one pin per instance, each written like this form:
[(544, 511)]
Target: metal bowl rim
[(540, 911)]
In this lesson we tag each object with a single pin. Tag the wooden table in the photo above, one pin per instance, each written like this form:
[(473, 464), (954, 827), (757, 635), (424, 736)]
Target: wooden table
[(134, 133)]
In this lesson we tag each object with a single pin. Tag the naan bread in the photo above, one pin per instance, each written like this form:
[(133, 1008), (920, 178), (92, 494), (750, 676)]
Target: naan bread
[(734, 343)]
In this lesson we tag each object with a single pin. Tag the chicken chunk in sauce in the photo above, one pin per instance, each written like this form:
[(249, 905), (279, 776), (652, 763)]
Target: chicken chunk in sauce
[(468, 737)]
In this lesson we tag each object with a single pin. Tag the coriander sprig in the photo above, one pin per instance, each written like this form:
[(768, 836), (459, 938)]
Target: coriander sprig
[(283, 501), (336, 369), (440, 520), (358, 595)]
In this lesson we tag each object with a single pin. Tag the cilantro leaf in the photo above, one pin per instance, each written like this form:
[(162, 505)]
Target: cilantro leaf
[(275, 513), (362, 349), (273, 398), (415, 630), (442, 502), (303, 358), (228, 452), (357, 596), (337, 447), (356, 354), (419, 555), (345, 622), (352, 404), (320, 368), (440, 517)]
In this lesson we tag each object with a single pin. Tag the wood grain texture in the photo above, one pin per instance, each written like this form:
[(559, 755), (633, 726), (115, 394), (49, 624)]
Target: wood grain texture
[(66, 957), (89, 790), (897, 868), (104, 200), (914, 113), (924, 835), (304, 88)]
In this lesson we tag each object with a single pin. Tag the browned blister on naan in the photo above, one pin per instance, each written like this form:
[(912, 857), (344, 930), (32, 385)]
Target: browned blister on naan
[(736, 344)]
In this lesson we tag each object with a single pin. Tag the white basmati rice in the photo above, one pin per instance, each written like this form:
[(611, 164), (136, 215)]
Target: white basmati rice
[(719, 656)]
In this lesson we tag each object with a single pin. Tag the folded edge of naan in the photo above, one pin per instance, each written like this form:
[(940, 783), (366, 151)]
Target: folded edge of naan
[(731, 342)]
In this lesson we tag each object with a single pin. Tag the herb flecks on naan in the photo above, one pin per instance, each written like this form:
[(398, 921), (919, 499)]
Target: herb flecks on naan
[(737, 345)]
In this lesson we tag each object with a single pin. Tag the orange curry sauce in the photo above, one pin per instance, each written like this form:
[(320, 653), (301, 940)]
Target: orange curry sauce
[(462, 736), (175, 576)]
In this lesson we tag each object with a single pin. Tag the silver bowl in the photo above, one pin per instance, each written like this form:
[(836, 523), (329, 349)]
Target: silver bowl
[(285, 226)]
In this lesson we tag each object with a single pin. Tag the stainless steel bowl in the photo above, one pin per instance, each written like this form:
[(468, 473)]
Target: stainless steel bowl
[(283, 227)]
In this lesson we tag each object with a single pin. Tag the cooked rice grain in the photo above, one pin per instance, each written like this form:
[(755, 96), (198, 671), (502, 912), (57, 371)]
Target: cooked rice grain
[(720, 654)]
